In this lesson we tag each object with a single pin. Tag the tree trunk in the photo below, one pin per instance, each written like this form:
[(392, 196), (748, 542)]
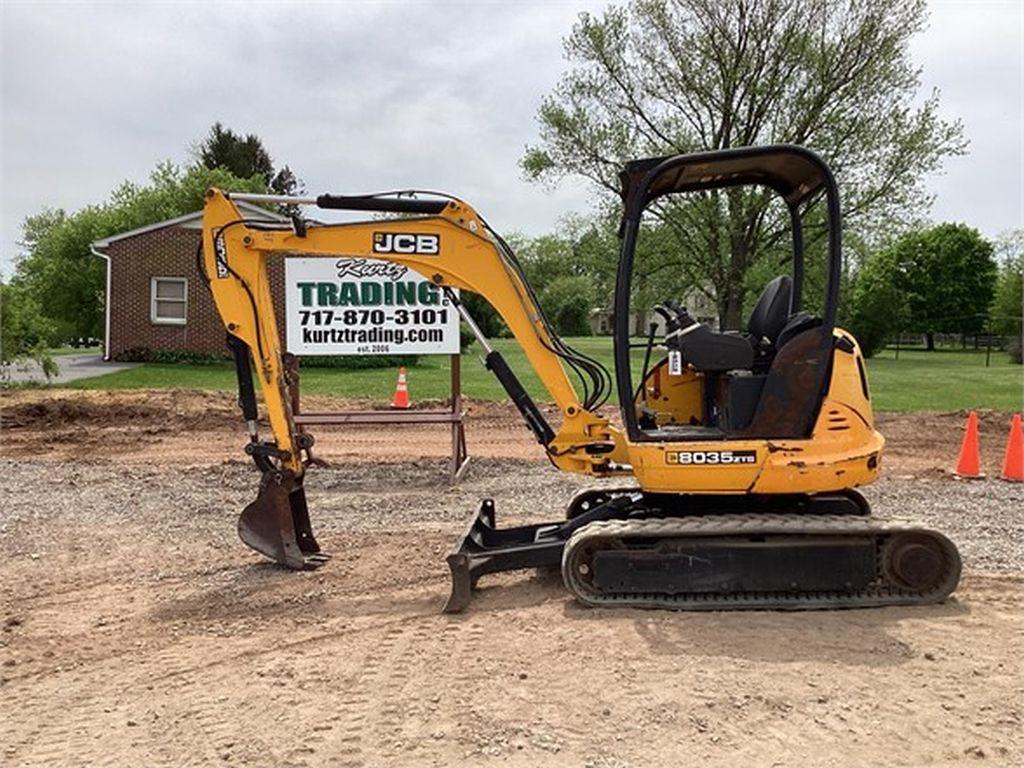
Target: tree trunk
[(732, 317), (930, 339), (739, 260)]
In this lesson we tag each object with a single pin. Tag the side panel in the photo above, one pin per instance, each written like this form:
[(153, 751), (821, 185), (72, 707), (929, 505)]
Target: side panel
[(698, 467), (673, 399), (843, 452)]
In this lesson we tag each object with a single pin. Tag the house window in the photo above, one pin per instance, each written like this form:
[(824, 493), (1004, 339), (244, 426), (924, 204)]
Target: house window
[(168, 297)]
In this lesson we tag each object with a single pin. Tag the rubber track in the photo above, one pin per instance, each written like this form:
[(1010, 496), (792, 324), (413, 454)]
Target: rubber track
[(880, 593)]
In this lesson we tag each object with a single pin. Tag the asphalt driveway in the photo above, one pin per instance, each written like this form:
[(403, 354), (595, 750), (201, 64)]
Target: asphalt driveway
[(72, 367)]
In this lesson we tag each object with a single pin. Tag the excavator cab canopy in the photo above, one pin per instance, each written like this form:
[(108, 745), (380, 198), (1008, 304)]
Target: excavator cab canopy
[(739, 359), (795, 173)]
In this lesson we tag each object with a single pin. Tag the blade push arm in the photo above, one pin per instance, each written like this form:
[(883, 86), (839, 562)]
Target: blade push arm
[(462, 256)]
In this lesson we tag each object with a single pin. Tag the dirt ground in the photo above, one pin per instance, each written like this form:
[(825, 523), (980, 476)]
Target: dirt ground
[(137, 630)]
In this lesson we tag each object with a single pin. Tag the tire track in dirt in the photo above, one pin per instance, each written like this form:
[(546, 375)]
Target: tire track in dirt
[(379, 703), (363, 699), (392, 688)]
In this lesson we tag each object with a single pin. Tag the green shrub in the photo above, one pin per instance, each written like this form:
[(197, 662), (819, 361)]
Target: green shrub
[(877, 308), (466, 337), (484, 315), (25, 334), (147, 355), (1008, 305), (342, 362), (358, 362), (567, 301)]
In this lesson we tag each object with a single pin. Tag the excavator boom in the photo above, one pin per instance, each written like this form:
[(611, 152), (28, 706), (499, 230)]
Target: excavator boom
[(442, 239)]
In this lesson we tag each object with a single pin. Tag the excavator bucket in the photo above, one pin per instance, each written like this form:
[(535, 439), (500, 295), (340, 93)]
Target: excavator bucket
[(277, 523)]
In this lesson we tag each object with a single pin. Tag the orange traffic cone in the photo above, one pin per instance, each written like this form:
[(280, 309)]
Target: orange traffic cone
[(969, 463), (401, 398), (1013, 463)]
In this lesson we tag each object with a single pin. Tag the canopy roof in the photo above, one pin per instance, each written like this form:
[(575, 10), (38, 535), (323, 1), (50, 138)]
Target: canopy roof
[(794, 172)]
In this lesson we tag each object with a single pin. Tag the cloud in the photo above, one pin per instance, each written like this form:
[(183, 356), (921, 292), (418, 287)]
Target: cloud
[(973, 52), (365, 96)]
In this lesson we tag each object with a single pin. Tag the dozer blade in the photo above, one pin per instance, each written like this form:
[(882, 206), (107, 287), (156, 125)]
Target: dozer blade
[(485, 548), (277, 523)]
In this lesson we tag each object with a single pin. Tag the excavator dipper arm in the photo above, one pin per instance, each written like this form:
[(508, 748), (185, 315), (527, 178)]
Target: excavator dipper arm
[(444, 240)]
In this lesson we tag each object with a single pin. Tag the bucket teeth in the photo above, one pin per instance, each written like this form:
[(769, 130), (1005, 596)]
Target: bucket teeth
[(277, 523)]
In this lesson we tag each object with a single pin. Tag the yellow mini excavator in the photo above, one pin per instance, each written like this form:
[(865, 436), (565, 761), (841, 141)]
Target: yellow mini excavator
[(745, 447)]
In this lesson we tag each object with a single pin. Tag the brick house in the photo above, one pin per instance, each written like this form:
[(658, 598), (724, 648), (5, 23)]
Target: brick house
[(155, 298), (697, 302)]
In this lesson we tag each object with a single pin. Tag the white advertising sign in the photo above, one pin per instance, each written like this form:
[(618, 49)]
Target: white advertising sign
[(359, 306)]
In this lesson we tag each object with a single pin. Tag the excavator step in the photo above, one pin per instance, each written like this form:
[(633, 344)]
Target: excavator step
[(759, 561)]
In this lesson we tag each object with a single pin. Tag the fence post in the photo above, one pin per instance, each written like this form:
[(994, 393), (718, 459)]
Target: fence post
[(988, 344), (899, 336)]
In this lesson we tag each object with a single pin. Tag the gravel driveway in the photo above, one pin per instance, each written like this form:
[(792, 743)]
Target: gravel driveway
[(135, 629)]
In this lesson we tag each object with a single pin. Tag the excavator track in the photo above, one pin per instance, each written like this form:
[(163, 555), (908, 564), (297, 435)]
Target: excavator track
[(759, 561)]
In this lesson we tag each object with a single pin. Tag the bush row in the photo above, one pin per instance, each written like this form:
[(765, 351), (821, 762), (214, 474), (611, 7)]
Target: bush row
[(346, 362)]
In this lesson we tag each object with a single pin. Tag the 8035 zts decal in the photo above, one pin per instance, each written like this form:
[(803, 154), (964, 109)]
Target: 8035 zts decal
[(711, 458)]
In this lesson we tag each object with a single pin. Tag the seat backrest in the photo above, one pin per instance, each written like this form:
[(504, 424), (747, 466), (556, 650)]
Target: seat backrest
[(793, 390), (771, 310), (797, 324)]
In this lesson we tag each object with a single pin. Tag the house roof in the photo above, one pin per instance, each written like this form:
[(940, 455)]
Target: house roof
[(190, 221)]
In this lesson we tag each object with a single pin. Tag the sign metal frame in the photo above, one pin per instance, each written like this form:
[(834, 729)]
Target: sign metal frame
[(452, 415)]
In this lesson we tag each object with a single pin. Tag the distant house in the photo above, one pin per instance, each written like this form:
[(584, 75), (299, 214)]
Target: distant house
[(156, 300), (699, 306)]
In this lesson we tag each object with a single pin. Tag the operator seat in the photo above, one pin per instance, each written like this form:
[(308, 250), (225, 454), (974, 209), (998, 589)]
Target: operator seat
[(713, 352), (768, 319), (703, 348), (781, 397), (771, 311)]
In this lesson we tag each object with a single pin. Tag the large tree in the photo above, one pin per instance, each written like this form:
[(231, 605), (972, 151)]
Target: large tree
[(1008, 298), (660, 77), (944, 275), (245, 156), (56, 266)]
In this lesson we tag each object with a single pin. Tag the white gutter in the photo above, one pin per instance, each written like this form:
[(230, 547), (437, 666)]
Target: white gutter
[(106, 304)]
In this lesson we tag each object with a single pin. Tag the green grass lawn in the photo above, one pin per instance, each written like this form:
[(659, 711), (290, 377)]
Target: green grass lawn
[(428, 379), (942, 380), (61, 351)]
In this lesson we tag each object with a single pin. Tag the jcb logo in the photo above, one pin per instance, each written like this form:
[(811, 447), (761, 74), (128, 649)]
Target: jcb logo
[(401, 242)]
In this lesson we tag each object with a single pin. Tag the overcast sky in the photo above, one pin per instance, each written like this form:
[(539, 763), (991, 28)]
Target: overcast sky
[(361, 96)]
